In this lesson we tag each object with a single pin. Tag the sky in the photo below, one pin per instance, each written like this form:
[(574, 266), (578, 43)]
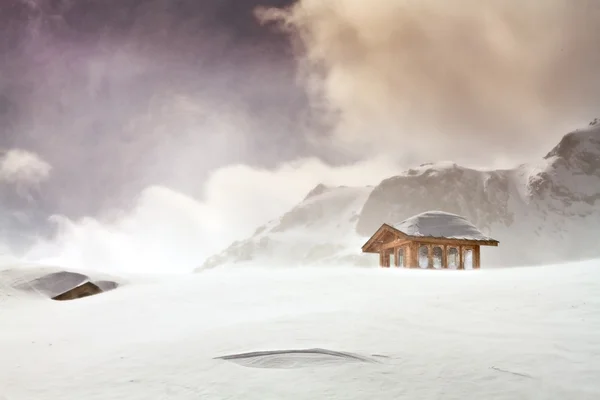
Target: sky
[(155, 121)]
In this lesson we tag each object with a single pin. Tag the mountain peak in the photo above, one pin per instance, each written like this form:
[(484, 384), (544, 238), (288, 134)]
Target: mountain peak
[(317, 190), (579, 141)]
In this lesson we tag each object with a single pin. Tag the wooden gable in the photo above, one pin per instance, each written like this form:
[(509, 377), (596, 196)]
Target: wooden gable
[(382, 238)]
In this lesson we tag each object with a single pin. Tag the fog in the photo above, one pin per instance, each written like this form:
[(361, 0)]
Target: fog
[(165, 231)]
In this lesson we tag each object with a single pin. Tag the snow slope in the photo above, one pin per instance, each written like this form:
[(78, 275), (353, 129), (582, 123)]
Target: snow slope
[(320, 228), (518, 333), (544, 212)]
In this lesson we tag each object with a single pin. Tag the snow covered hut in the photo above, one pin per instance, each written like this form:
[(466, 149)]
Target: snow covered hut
[(62, 285), (433, 239)]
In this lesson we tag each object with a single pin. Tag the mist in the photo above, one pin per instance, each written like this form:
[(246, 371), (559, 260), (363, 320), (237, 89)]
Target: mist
[(166, 231), (430, 80)]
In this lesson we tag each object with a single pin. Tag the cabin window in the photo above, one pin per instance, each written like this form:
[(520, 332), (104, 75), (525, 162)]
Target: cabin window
[(453, 260), (468, 258), (401, 257), (438, 254), (423, 257)]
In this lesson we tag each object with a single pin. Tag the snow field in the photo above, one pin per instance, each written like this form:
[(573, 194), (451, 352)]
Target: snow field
[(518, 333)]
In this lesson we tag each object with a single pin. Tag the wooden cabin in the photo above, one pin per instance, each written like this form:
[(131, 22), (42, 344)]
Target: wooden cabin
[(434, 239)]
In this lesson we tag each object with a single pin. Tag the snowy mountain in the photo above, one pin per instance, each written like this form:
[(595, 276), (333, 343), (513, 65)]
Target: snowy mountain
[(543, 212), (320, 228)]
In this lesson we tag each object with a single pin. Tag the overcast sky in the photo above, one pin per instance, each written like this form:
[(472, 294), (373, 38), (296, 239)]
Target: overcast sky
[(220, 100)]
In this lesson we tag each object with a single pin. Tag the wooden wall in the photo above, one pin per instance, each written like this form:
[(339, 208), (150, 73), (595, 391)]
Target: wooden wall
[(87, 289), (388, 255)]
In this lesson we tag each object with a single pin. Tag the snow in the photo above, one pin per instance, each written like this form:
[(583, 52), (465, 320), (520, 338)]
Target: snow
[(440, 224), (490, 334)]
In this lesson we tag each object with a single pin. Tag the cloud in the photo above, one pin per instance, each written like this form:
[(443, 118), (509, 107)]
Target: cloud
[(249, 197), (164, 232), (428, 79), (24, 167), (167, 231), (143, 93)]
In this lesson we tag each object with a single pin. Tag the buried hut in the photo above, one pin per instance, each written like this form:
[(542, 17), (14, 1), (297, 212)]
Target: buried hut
[(63, 285), (83, 290), (433, 239)]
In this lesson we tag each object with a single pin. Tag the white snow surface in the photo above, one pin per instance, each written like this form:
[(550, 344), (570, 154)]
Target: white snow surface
[(440, 224), (518, 333)]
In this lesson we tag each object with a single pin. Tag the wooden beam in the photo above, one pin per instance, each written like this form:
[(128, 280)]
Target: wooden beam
[(429, 256), (414, 257), (453, 242), (444, 257), (394, 244), (367, 247)]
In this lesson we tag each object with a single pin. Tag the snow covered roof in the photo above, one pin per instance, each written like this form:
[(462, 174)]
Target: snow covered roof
[(57, 283), (440, 224)]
